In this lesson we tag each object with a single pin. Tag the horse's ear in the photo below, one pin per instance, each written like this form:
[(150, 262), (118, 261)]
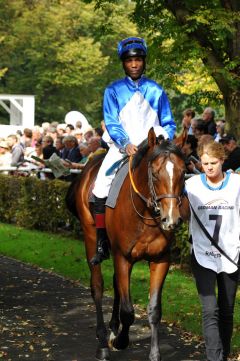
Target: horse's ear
[(152, 139), (182, 138)]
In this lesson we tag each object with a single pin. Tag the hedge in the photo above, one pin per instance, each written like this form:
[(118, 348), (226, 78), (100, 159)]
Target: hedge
[(40, 204), (35, 204)]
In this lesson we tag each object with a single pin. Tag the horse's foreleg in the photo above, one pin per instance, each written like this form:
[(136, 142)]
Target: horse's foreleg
[(96, 284), (115, 321), (158, 272), (123, 271)]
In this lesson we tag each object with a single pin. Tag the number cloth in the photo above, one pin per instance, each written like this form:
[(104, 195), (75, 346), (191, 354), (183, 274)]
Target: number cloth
[(218, 210)]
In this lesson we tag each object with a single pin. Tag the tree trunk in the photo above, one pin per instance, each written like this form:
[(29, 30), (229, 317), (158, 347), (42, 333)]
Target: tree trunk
[(232, 112)]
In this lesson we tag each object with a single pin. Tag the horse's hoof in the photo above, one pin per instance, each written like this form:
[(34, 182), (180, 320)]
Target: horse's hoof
[(102, 354), (120, 343)]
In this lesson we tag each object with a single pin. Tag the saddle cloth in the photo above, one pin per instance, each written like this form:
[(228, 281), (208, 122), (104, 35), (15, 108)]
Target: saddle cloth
[(115, 186)]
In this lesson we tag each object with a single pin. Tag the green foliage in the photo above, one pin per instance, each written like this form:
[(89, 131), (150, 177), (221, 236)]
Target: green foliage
[(60, 52), (184, 36), (33, 203)]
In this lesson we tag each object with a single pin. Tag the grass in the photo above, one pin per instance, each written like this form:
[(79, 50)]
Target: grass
[(66, 257)]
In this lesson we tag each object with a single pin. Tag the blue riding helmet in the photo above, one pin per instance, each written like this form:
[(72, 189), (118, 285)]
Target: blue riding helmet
[(132, 47)]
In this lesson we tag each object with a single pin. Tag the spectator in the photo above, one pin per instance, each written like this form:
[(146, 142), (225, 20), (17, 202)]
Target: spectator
[(5, 154), (208, 119), (204, 139), (99, 133), (45, 126), (26, 139), (48, 147), (69, 129), (71, 151), (93, 149), (78, 134), (59, 145), (233, 152), (36, 135), (188, 115), (52, 131), (190, 151), (85, 151), (61, 129), (194, 123), (89, 133), (220, 127), (16, 150), (199, 129)]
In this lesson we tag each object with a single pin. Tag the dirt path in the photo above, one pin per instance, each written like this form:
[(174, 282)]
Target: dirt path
[(46, 317)]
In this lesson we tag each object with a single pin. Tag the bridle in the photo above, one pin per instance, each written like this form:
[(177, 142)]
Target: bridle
[(153, 201)]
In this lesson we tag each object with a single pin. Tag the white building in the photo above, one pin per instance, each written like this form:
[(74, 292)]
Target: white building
[(21, 111)]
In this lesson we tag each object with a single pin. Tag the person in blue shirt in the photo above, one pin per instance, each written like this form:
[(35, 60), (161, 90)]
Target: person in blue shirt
[(131, 106)]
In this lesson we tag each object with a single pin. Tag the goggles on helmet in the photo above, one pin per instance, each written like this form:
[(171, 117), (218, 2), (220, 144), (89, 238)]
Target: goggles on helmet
[(132, 47)]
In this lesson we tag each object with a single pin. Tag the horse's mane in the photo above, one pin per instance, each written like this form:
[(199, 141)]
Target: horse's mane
[(163, 147)]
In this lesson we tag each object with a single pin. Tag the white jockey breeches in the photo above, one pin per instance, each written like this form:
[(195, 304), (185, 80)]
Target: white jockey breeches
[(103, 182)]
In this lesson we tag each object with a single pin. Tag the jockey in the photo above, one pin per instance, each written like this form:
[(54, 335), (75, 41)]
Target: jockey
[(131, 107)]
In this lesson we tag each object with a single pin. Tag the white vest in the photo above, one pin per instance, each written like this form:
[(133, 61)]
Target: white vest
[(218, 210)]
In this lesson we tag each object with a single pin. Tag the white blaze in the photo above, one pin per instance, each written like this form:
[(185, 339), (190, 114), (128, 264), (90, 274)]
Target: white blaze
[(169, 168)]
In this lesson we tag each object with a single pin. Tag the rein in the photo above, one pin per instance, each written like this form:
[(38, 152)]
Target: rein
[(150, 202)]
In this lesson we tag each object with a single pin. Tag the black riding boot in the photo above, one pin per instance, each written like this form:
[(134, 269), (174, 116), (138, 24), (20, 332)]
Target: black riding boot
[(102, 249)]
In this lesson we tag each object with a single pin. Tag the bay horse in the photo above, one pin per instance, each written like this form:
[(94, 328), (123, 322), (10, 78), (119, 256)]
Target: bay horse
[(140, 227)]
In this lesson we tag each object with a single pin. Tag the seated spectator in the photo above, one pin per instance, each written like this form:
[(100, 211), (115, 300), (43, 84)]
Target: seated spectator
[(71, 150), (94, 147), (16, 150), (233, 152)]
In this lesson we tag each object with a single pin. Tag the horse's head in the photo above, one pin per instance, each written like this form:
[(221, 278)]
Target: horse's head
[(166, 171)]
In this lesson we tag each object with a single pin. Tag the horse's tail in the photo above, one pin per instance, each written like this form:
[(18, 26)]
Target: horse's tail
[(70, 198)]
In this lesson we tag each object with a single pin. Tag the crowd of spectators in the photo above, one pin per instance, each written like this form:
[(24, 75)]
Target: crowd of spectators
[(73, 146), (202, 130)]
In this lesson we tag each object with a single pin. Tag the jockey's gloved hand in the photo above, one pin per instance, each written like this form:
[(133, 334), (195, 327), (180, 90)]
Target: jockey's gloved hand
[(130, 149)]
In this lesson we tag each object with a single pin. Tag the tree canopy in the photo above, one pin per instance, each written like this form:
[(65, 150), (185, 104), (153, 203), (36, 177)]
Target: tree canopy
[(60, 52), (188, 32)]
